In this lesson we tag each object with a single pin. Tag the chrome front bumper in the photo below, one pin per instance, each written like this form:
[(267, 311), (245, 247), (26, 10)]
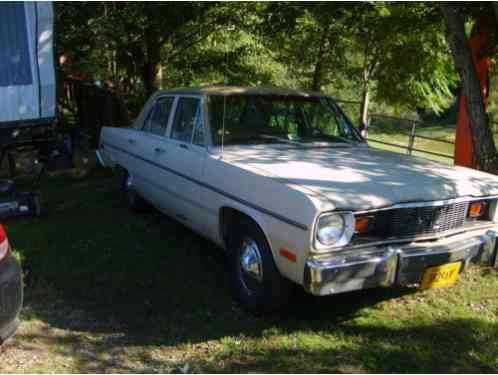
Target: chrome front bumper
[(395, 265)]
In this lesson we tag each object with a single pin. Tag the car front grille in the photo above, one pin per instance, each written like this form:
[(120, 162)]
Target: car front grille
[(415, 221), (420, 220)]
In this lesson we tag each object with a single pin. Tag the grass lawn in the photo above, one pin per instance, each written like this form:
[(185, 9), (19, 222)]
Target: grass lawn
[(110, 291), (392, 134)]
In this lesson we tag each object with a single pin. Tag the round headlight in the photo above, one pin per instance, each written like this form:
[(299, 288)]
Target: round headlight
[(335, 229), (330, 229)]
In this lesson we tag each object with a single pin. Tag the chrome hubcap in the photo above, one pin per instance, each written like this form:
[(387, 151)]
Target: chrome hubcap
[(128, 182), (251, 265), (130, 194)]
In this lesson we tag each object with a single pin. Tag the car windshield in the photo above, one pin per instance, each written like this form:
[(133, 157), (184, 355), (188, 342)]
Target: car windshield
[(258, 119)]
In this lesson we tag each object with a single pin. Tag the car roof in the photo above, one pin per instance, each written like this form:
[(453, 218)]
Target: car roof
[(239, 90)]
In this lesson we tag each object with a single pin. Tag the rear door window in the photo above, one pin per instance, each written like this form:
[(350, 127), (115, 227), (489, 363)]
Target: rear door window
[(157, 121)]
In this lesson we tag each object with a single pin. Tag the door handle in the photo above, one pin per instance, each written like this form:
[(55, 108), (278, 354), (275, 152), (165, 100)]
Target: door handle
[(159, 149), (184, 146), (131, 141)]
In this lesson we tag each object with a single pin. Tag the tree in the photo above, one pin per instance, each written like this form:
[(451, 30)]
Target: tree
[(306, 41), (148, 34), (401, 56), (484, 146), (387, 53), (394, 53), (132, 40)]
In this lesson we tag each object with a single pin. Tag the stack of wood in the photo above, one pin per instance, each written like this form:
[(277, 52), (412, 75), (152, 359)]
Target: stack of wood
[(93, 107)]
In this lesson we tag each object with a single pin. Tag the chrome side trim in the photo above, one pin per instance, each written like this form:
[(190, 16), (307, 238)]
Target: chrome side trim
[(427, 204), (212, 188)]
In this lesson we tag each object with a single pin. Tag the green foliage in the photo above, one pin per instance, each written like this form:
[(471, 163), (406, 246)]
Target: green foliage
[(414, 64), (398, 50)]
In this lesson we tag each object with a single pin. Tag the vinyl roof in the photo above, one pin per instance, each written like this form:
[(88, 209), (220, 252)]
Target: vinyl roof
[(239, 90)]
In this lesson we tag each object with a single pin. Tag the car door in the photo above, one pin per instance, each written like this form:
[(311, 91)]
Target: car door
[(183, 161), (151, 146)]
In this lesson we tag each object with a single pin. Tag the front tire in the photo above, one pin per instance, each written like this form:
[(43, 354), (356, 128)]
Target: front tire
[(134, 202), (255, 280)]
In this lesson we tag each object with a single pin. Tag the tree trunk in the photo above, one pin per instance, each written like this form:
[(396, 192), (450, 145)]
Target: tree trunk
[(482, 137), (316, 84), (150, 67), (149, 73), (365, 96), (365, 101), (368, 67)]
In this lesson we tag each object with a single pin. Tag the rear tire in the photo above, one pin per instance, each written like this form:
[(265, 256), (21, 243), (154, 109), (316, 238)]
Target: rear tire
[(255, 280), (134, 201)]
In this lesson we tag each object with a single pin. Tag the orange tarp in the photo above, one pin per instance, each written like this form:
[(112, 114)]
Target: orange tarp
[(464, 152)]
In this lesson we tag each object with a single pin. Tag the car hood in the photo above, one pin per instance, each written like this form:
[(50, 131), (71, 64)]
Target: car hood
[(361, 178)]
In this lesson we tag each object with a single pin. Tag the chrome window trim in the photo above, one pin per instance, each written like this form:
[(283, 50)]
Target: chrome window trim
[(427, 204)]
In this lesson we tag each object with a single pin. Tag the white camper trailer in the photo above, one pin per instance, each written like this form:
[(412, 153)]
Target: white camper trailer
[(27, 76), (27, 95)]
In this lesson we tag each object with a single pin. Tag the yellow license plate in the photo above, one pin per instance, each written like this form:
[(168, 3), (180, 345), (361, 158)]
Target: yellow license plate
[(440, 276)]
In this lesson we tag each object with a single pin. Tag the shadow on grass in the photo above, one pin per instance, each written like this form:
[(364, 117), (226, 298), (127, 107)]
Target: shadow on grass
[(444, 346), (145, 280)]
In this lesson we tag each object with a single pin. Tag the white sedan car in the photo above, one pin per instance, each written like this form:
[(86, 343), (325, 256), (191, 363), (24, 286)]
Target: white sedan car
[(284, 183)]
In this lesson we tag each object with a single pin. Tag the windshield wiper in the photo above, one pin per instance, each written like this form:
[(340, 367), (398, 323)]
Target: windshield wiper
[(252, 139), (285, 140)]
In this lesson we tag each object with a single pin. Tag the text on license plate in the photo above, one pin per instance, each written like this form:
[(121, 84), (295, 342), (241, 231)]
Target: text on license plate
[(439, 276)]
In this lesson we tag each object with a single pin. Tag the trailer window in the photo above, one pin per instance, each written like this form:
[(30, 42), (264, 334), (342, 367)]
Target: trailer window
[(15, 66)]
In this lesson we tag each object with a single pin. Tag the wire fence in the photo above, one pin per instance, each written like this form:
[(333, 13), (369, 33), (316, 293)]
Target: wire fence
[(413, 137)]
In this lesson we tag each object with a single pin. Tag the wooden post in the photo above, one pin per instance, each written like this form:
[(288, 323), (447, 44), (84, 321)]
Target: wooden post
[(411, 140)]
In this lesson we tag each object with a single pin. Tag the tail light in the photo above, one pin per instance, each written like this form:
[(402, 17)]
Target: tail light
[(4, 243)]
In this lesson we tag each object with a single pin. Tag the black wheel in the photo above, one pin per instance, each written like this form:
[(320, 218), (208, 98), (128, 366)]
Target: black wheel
[(35, 205), (255, 280), (134, 201)]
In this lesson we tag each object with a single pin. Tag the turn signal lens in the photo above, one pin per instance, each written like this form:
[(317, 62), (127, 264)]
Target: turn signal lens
[(288, 254), (476, 209), (362, 224)]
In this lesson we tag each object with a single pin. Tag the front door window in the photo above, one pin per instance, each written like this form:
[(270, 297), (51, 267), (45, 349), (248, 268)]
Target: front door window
[(188, 126)]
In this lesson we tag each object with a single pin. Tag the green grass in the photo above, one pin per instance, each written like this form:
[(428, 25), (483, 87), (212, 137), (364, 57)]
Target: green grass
[(393, 135), (109, 291)]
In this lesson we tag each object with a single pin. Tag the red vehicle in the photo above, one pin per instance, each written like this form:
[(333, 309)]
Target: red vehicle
[(11, 292)]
